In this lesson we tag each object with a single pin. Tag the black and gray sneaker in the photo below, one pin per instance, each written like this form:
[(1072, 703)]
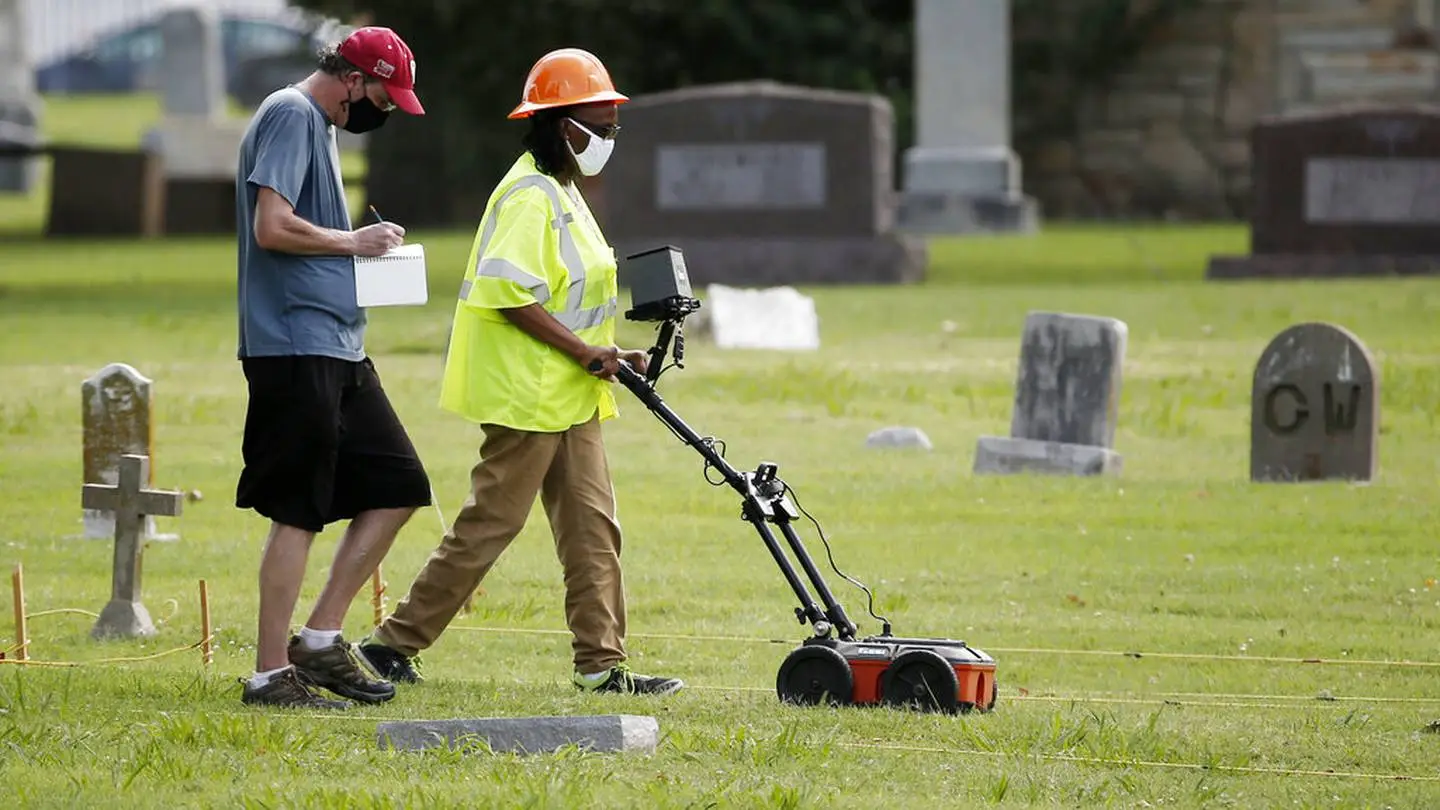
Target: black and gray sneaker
[(621, 680), (336, 668), (285, 691), (389, 664)]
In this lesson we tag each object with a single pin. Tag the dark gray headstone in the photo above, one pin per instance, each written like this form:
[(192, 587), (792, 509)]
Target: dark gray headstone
[(1351, 192), (759, 183), (1315, 407), (526, 735), (1067, 399)]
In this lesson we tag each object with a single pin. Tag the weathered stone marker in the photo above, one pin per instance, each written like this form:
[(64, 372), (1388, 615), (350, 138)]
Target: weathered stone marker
[(116, 414), (527, 735), (1315, 407), (1067, 399), (130, 502)]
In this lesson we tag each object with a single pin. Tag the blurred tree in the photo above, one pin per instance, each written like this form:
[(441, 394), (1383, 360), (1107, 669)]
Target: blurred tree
[(473, 57)]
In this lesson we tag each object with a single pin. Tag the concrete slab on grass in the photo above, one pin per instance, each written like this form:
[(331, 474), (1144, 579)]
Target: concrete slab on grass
[(527, 735), (1007, 455)]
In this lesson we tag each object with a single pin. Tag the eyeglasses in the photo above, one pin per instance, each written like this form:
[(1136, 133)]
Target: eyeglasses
[(604, 132)]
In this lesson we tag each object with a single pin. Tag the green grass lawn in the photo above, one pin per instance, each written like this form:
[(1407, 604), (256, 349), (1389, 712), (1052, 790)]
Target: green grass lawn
[(1179, 555)]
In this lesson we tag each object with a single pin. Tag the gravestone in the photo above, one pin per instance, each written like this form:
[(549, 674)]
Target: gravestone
[(778, 318), (1067, 399), (19, 105), (1344, 193), (130, 503), (525, 735), (759, 184), (962, 176), (105, 192), (1315, 407), (117, 421), (196, 139)]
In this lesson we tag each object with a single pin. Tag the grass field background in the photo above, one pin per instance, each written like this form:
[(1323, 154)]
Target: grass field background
[(1057, 577)]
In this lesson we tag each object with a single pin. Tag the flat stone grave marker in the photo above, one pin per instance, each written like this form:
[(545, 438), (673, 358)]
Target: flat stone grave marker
[(778, 318), (1067, 399), (117, 420), (525, 735), (760, 184), (130, 502), (1348, 192), (1315, 407)]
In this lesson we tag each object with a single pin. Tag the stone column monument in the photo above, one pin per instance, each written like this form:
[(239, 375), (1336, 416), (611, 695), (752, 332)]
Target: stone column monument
[(962, 176), (19, 105)]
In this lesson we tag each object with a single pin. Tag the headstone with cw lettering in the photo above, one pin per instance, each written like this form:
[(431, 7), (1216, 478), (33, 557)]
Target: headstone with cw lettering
[(1067, 399), (130, 503), (1348, 192), (117, 421), (1315, 407), (759, 184), (19, 105)]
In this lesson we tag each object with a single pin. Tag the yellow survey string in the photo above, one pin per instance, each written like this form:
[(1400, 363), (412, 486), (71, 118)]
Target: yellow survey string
[(1254, 659)]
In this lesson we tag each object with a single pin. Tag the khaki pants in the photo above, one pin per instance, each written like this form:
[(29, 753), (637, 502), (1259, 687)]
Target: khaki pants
[(570, 472)]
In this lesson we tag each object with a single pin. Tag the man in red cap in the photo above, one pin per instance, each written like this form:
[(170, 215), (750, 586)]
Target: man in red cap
[(321, 441)]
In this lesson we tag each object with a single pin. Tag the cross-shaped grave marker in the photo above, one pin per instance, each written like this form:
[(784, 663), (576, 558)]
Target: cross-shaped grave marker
[(130, 502)]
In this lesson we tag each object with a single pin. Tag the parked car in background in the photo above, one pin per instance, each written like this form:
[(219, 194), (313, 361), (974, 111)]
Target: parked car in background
[(130, 60)]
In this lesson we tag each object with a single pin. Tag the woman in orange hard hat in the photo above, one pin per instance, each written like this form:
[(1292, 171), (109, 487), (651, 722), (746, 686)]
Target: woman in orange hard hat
[(536, 312)]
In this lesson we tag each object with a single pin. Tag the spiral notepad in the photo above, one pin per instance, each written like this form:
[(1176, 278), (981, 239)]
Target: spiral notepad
[(396, 279)]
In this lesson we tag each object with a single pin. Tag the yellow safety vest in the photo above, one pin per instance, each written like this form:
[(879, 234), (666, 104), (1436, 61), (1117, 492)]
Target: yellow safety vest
[(535, 244)]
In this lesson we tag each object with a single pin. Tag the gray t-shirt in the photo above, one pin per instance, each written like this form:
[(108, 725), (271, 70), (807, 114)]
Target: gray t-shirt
[(292, 304)]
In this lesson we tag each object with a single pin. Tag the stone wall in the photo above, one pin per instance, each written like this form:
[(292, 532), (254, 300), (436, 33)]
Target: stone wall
[(1169, 137)]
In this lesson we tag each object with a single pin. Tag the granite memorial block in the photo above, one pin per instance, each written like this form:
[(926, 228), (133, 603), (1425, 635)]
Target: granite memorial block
[(1067, 399), (1350, 192), (104, 192), (759, 184), (1315, 407), (962, 176)]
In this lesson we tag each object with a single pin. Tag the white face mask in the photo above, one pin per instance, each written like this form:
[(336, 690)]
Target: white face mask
[(596, 153)]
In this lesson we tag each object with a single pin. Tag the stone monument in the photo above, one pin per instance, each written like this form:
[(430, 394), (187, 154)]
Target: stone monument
[(198, 141), (1315, 407), (130, 503), (116, 416), (1352, 192), (1067, 399), (759, 184), (962, 176), (19, 105)]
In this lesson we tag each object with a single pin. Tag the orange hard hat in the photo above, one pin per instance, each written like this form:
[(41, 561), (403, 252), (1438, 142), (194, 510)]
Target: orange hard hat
[(564, 77)]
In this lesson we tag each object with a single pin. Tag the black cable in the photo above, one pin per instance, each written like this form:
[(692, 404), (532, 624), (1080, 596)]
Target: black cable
[(870, 597), (718, 445)]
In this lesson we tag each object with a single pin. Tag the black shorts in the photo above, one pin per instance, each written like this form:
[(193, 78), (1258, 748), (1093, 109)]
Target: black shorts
[(322, 443)]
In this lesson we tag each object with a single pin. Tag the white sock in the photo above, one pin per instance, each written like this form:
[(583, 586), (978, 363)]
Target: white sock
[(594, 678), (262, 679), (314, 640)]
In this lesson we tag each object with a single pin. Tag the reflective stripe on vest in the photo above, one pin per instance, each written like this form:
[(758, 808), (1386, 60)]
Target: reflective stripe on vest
[(575, 317)]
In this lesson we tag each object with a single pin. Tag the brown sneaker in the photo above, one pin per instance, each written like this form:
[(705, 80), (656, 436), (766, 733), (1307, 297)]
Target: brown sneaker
[(285, 691), (336, 668)]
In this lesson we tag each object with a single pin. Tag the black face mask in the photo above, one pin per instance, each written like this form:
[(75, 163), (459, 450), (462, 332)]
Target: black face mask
[(365, 116)]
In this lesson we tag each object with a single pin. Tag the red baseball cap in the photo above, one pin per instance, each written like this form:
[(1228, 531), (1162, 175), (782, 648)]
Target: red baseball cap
[(381, 53)]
